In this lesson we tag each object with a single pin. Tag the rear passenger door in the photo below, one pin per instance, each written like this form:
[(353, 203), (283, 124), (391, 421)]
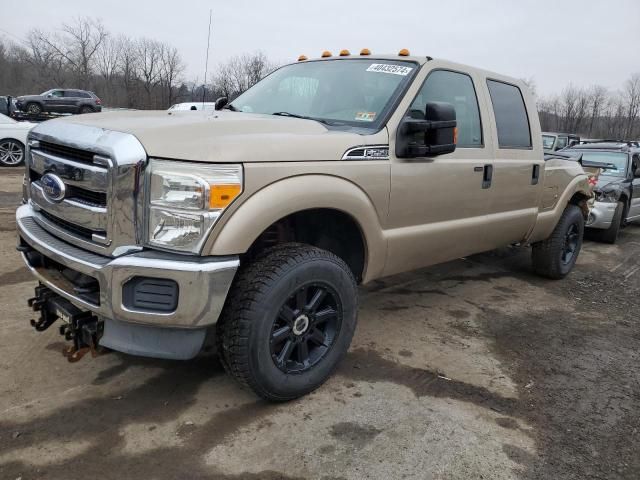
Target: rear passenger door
[(518, 166), (70, 101)]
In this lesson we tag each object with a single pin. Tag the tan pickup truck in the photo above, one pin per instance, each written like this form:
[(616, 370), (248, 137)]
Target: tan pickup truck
[(150, 232)]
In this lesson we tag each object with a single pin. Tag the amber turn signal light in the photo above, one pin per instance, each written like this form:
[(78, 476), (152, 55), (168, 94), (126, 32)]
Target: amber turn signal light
[(221, 195)]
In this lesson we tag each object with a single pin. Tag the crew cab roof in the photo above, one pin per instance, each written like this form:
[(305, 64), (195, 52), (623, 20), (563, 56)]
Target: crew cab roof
[(421, 60)]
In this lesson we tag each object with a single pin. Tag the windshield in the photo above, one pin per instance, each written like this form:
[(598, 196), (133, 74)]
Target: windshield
[(620, 160), (547, 141), (356, 92)]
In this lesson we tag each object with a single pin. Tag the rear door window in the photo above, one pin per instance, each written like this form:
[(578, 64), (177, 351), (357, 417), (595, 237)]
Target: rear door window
[(511, 116)]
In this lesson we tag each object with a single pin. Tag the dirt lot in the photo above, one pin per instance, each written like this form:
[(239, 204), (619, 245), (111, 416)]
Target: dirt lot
[(473, 369)]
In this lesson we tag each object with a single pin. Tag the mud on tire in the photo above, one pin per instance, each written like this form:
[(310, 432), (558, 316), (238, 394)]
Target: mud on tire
[(288, 321)]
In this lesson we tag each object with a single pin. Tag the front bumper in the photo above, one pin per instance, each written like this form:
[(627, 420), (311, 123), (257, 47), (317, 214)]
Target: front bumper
[(601, 215), (203, 283)]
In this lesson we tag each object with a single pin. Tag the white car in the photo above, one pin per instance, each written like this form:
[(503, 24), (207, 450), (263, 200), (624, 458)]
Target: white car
[(192, 106), (13, 138)]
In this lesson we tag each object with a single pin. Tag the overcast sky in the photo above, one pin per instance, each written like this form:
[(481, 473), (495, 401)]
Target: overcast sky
[(554, 42)]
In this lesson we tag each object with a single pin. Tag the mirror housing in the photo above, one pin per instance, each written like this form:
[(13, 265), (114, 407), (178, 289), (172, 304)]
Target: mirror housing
[(221, 102), (439, 129), (50, 95)]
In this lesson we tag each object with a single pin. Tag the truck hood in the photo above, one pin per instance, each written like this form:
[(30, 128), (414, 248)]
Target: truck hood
[(225, 136)]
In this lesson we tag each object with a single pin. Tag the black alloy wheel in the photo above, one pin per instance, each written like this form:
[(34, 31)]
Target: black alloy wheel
[(305, 328)]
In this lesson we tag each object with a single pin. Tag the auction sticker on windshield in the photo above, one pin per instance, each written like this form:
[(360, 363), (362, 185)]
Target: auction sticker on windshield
[(388, 68)]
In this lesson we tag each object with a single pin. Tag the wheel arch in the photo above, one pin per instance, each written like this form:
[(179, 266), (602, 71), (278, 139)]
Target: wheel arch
[(336, 200)]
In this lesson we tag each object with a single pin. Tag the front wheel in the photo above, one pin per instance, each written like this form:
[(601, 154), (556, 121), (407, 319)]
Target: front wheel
[(11, 153), (288, 321), (555, 257)]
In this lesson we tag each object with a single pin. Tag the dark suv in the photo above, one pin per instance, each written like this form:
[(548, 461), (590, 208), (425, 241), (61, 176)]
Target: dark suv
[(618, 188), (60, 101)]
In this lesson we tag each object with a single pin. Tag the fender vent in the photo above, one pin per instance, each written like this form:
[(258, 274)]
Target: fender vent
[(150, 294)]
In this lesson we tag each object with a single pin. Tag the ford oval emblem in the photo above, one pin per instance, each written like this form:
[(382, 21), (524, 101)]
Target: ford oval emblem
[(53, 187)]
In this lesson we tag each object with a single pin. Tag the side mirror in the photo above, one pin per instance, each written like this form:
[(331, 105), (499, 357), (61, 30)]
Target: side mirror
[(50, 95), (435, 135), (221, 102)]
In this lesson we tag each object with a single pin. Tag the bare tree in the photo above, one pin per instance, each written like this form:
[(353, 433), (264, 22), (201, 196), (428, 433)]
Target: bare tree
[(150, 54), (170, 70), (108, 61), (631, 96)]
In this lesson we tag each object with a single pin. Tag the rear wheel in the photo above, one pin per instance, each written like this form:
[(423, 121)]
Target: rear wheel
[(288, 321), (86, 109), (610, 235), (11, 153), (34, 109), (555, 257)]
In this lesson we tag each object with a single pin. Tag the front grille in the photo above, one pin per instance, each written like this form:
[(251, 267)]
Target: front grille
[(79, 194), (76, 230), (71, 153), (100, 208)]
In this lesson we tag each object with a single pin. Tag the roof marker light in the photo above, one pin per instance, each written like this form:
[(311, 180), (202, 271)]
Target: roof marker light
[(365, 51), (344, 53), (302, 58), (403, 53), (326, 54)]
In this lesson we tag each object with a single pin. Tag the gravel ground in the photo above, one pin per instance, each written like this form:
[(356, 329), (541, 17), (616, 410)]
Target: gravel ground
[(472, 369)]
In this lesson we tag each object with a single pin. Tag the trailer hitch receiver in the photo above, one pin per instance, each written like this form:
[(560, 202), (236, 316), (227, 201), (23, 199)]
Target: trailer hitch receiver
[(82, 328)]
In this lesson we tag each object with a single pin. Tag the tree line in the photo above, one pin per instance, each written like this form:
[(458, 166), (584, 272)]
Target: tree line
[(123, 71), (145, 73), (594, 112)]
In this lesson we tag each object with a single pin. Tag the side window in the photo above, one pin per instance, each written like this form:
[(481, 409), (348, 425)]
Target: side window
[(57, 93), (71, 94), (83, 94), (561, 143), (512, 120), (457, 89)]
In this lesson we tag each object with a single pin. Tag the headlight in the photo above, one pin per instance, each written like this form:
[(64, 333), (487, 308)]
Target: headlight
[(186, 199), (610, 196)]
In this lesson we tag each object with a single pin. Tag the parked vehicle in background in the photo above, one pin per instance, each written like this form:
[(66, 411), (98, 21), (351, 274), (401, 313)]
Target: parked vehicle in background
[(13, 138), (552, 142), (60, 101), (617, 192), (7, 105), (192, 106), (257, 223)]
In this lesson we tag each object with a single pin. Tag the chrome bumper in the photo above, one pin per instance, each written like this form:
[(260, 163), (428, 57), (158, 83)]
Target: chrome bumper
[(203, 283), (601, 215)]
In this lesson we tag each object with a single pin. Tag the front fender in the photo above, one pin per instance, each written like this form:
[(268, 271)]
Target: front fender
[(294, 194)]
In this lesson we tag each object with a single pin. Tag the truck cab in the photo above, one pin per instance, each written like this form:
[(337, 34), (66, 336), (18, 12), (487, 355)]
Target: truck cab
[(254, 224)]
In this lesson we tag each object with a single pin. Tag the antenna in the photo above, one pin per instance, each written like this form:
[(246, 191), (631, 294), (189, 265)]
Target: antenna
[(206, 63)]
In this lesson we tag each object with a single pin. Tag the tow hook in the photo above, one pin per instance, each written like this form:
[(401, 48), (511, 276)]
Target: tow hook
[(82, 328)]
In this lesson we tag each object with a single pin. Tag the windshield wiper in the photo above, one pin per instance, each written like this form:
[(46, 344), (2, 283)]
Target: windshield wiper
[(295, 115)]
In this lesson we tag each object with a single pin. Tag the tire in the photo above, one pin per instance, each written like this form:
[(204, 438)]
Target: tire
[(270, 315), (11, 153), (86, 109), (34, 108), (555, 257), (610, 235)]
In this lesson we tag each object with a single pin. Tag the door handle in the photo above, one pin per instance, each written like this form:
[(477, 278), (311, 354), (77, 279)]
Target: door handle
[(487, 176), (535, 175)]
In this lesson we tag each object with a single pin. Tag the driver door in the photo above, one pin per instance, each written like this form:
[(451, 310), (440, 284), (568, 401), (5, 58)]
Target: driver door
[(438, 205), (634, 208)]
